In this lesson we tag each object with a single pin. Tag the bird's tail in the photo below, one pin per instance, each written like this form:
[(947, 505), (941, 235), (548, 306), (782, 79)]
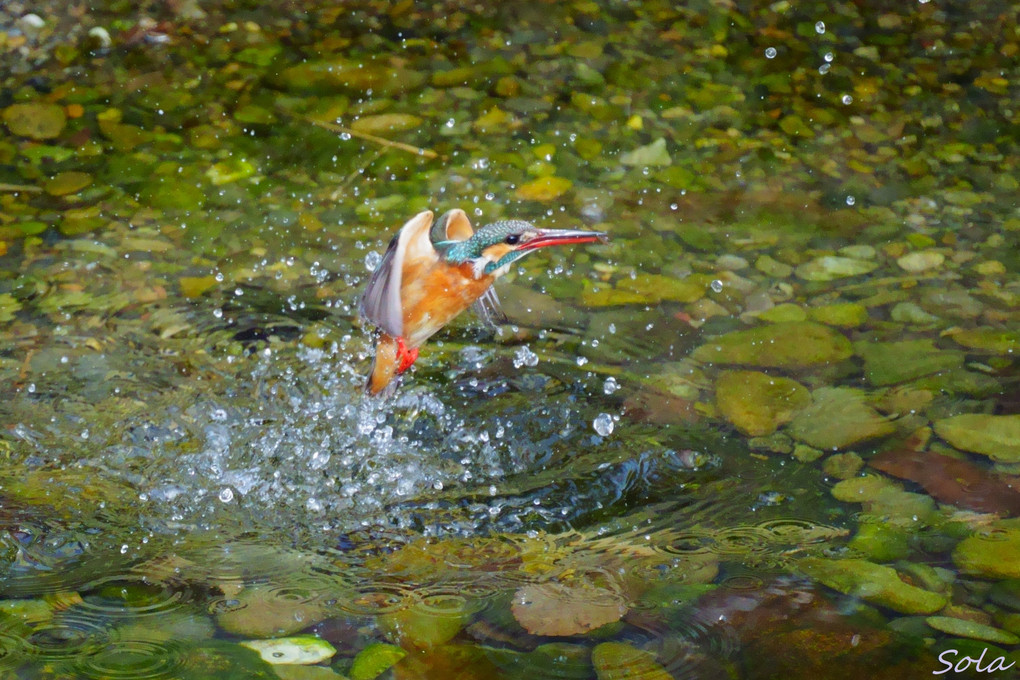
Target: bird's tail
[(387, 361)]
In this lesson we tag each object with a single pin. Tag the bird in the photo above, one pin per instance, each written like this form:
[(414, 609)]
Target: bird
[(433, 271)]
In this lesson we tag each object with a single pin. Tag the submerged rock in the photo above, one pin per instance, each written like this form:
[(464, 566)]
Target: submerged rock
[(34, 120), (757, 403), (888, 363), (970, 629), (838, 418), (997, 437), (831, 267), (991, 555), (299, 650), (873, 582), (797, 344), (618, 660), (921, 260)]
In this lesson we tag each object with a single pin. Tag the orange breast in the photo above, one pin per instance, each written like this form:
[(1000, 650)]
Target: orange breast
[(433, 293)]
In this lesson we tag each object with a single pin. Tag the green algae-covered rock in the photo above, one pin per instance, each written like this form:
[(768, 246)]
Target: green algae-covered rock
[(757, 403), (921, 260), (843, 314), (798, 344), (651, 155), (997, 437), (970, 629), (784, 312), (838, 418), (881, 541), (374, 660), (71, 182), (34, 120), (887, 363), (991, 340), (995, 555), (842, 465), (873, 582), (618, 661), (831, 267)]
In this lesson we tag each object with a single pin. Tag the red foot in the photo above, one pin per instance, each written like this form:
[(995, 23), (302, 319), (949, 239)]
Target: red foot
[(407, 356)]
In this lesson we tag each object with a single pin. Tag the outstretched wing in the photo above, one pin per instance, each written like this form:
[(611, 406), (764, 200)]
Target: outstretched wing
[(381, 302)]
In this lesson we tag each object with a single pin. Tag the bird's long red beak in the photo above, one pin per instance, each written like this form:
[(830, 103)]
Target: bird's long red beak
[(558, 237)]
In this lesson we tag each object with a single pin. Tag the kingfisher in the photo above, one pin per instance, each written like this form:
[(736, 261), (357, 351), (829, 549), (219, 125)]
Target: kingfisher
[(430, 273)]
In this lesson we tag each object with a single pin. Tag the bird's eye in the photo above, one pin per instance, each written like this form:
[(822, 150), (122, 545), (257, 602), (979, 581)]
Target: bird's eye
[(513, 239)]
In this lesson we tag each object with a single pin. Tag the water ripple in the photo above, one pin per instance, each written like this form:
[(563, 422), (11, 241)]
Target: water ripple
[(132, 659)]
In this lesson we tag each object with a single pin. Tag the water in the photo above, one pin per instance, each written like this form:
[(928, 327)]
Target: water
[(187, 218)]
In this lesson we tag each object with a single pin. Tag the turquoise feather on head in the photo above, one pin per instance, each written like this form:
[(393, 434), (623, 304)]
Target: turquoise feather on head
[(501, 243)]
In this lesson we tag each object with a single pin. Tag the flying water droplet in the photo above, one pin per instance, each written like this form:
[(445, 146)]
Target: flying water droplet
[(716, 286), (226, 495), (610, 385), (847, 99), (525, 357), (372, 260), (603, 424), (770, 52), (850, 200), (820, 27)]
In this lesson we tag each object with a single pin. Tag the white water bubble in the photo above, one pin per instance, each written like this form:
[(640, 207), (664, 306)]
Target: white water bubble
[(847, 99), (372, 260), (829, 56), (850, 200), (820, 27), (770, 52), (603, 424), (716, 286), (824, 68), (525, 357), (610, 385), (226, 495)]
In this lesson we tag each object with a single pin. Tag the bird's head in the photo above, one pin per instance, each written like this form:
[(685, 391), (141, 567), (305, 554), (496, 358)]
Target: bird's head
[(494, 247)]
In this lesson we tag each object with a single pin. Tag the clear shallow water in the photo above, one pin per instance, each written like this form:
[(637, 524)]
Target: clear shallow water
[(191, 462)]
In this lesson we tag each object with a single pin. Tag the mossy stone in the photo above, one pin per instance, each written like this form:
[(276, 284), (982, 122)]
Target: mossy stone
[(35, 120), (997, 437), (875, 583), (888, 363), (798, 344), (757, 403), (838, 418), (994, 555)]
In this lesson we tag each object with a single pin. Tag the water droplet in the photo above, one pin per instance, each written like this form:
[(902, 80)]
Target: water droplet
[(847, 99), (124, 548), (610, 385), (820, 27), (824, 68), (603, 424), (226, 495), (829, 56), (850, 200), (770, 52), (372, 260), (218, 313), (346, 136), (716, 286), (525, 357), (31, 388), (924, 2)]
